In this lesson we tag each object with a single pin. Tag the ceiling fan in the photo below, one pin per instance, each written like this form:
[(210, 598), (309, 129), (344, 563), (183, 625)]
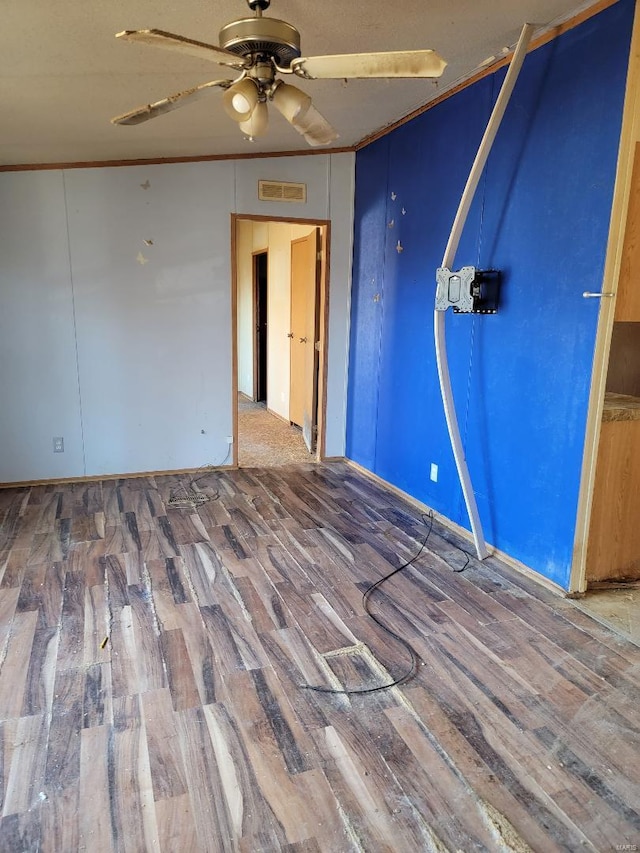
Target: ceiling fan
[(259, 48)]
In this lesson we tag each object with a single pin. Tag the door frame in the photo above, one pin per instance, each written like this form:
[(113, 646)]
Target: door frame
[(325, 249), (629, 136), (254, 316)]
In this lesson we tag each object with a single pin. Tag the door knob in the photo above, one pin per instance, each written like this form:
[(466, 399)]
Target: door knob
[(303, 340)]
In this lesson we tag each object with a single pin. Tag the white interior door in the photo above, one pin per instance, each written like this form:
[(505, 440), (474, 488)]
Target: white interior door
[(305, 290)]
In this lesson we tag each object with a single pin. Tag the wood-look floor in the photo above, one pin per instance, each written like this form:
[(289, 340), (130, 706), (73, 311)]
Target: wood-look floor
[(152, 663)]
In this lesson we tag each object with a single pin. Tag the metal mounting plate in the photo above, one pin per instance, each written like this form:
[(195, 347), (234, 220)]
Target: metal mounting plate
[(468, 291), (454, 289)]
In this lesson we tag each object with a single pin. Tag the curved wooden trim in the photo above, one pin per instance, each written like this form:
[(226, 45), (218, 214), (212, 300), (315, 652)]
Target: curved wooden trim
[(234, 337), (323, 371)]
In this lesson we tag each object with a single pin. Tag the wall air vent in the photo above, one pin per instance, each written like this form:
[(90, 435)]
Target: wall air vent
[(281, 191)]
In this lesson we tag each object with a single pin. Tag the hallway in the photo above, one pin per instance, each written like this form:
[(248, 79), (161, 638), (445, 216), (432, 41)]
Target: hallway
[(265, 440)]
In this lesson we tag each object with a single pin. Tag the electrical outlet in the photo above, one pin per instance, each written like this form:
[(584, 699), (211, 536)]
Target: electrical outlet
[(229, 439), (434, 472), (58, 444)]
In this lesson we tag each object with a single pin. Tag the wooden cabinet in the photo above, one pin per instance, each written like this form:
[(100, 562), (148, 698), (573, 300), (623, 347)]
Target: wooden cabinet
[(623, 375), (613, 551)]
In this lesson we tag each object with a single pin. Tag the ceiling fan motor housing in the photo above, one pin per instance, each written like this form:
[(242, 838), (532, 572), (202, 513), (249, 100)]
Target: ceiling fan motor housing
[(268, 36)]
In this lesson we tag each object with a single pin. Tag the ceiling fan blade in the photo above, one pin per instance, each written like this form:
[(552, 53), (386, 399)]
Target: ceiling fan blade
[(314, 127), (173, 102), (399, 63), (180, 44)]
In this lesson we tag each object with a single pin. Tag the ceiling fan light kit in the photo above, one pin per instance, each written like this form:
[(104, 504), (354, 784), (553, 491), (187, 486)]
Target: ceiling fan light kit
[(259, 48), (257, 123), (290, 101), (241, 98), (314, 128)]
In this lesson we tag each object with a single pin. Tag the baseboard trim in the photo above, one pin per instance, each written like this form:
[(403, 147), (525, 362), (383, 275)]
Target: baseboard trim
[(465, 534), (95, 478), (280, 417)]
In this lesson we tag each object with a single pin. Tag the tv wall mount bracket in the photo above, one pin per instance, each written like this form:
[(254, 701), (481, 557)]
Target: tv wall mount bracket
[(468, 291)]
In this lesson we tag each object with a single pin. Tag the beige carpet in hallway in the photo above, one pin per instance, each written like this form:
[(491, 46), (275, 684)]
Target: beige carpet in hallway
[(265, 440)]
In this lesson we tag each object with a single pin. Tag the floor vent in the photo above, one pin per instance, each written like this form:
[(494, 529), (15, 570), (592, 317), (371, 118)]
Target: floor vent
[(281, 191)]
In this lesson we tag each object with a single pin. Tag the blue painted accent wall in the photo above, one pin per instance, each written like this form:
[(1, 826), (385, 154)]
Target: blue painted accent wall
[(520, 378)]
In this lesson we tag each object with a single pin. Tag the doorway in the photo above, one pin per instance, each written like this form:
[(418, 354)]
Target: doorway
[(611, 579), (606, 565), (279, 295)]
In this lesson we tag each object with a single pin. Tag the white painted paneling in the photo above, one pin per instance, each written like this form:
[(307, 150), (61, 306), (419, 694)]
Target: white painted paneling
[(342, 185), (260, 236), (278, 313), (38, 372), (313, 171), (153, 321), (244, 273)]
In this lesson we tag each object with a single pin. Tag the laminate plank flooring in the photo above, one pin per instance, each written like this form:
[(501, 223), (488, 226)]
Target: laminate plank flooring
[(155, 667)]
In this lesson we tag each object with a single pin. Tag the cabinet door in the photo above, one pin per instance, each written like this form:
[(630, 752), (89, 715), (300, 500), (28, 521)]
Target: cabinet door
[(613, 552), (628, 300)]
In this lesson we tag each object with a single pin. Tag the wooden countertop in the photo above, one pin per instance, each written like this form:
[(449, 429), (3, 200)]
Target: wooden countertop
[(620, 407)]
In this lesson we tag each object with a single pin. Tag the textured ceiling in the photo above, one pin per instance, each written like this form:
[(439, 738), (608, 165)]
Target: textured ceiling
[(63, 74)]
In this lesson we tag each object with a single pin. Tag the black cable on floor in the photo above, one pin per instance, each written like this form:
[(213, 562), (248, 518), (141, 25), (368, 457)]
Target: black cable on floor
[(415, 660), (427, 519), (190, 497)]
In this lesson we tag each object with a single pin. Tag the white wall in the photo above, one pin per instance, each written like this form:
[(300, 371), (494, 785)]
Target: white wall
[(150, 388), (153, 321), (252, 236), (341, 200), (39, 395)]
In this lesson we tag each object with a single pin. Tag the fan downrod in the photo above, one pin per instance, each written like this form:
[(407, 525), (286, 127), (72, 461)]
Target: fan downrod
[(258, 6)]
